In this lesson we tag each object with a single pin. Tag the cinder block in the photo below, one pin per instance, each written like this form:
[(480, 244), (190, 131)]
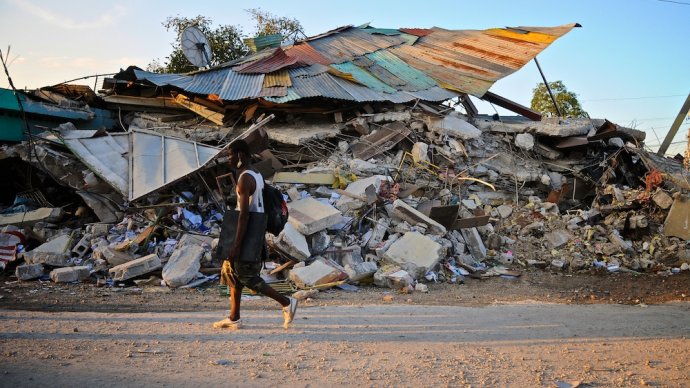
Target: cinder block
[(29, 271), (136, 267), (69, 274)]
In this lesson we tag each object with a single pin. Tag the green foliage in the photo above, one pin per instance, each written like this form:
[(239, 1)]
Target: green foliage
[(268, 24), (567, 101), (226, 41)]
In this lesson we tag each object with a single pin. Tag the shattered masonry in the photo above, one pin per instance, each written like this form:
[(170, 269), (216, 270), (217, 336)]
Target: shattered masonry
[(362, 129)]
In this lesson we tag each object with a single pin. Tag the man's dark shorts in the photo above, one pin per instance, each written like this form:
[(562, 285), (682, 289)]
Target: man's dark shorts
[(245, 273)]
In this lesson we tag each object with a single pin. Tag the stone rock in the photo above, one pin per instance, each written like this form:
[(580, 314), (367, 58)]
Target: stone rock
[(504, 211), (309, 215), (524, 141), (379, 232), (662, 199), (314, 274), (416, 253), (136, 267), (320, 242), (420, 152), (558, 264), (29, 271), (616, 142), (69, 274), (104, 252), (361, 271), (557, 238)]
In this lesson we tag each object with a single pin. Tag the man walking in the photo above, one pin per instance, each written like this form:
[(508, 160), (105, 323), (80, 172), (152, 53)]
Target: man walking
[(238, 273)]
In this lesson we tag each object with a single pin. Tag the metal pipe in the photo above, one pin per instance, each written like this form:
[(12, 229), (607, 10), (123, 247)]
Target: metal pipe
[(674, 127), (548, 88)]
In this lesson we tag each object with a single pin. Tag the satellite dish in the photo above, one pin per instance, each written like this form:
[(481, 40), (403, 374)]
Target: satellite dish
[(195, 47)]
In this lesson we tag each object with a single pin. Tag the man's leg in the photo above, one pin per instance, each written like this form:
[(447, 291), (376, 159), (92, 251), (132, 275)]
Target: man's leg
[(235, 299), (275, 295)]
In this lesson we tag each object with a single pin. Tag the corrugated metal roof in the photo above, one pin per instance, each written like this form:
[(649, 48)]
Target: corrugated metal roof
[(361, 93), (416, 31), (278, 60), (277, 78), (304, 53), (412, 78), (364, 77), (370, 64), (435, 93), (321, 85), (347, 45)]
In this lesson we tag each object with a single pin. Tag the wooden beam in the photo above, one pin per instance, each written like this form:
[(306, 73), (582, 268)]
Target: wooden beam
[(199, 109), (674, 127), (511, 106)]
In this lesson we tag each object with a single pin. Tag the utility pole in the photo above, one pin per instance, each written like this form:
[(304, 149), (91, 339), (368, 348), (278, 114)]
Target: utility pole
[(548, 88), (674, 127)]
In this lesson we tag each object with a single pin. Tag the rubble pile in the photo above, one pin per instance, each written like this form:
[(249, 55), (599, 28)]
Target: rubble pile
[(423, 196)]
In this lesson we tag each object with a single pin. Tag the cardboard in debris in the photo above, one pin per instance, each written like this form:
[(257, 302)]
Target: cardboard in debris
[(677, 222)]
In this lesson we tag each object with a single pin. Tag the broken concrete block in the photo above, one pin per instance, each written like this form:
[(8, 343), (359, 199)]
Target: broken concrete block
[(662, 199), (415, 253), (309, 215), (82, 246), (315, 274), (69, 274), (558, 263), (103, 252), (420, 152), (455, 126), (183, 265), (54, 252), (378, 232), (623, 245), (392, 276), (292, 242), (136, 267), (557, 238), (29, 271), (474, 243), (361, 271), (358, 189), (414, 217), (504, 211), (524, 141)]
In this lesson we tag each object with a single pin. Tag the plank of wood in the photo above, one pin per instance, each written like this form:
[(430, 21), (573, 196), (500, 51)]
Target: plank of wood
[(470, 222), (199, 109)]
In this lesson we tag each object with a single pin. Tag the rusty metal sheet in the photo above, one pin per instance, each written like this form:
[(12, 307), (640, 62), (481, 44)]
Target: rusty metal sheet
[(572, 142), (412, 78), (275, 91), (353, 43), (364, 77), (304, 53), (364, 94), (321, 85), (278, 60), (416, 31), (277, 78), (380, 141)]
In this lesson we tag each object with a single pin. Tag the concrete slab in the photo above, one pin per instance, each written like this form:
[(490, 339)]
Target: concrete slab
[(183, 265), (415, 253), (45, 214), (474, 243), (54, 252), (455, 126), (557, 238), (309, 215), (292, 242), (358, 189)]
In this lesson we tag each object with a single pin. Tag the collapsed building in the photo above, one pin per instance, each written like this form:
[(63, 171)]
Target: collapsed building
[(392, 175)]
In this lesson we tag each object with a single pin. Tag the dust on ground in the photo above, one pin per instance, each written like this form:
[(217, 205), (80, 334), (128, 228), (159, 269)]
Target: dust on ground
[(537, 285)]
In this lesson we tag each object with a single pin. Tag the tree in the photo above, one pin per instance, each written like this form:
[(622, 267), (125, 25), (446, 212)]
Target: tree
[(226, 41), (567, 101)]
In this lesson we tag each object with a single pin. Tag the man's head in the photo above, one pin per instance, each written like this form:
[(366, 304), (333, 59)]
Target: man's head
[(239, 154)]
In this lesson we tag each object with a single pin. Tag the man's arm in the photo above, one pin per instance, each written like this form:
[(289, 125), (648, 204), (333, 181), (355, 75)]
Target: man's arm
[(245, 188)]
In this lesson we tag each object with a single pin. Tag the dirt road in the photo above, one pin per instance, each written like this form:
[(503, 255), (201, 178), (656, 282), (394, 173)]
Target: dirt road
[(528, 344)]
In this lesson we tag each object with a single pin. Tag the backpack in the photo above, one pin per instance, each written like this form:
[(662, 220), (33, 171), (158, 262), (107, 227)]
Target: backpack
[(275, 208)]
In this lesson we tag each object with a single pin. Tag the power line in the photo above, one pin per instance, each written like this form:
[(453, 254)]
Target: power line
[(675, 2), (635, 98)]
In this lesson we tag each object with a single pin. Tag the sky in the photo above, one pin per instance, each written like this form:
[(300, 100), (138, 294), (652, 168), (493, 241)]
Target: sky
[(628, 63)]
